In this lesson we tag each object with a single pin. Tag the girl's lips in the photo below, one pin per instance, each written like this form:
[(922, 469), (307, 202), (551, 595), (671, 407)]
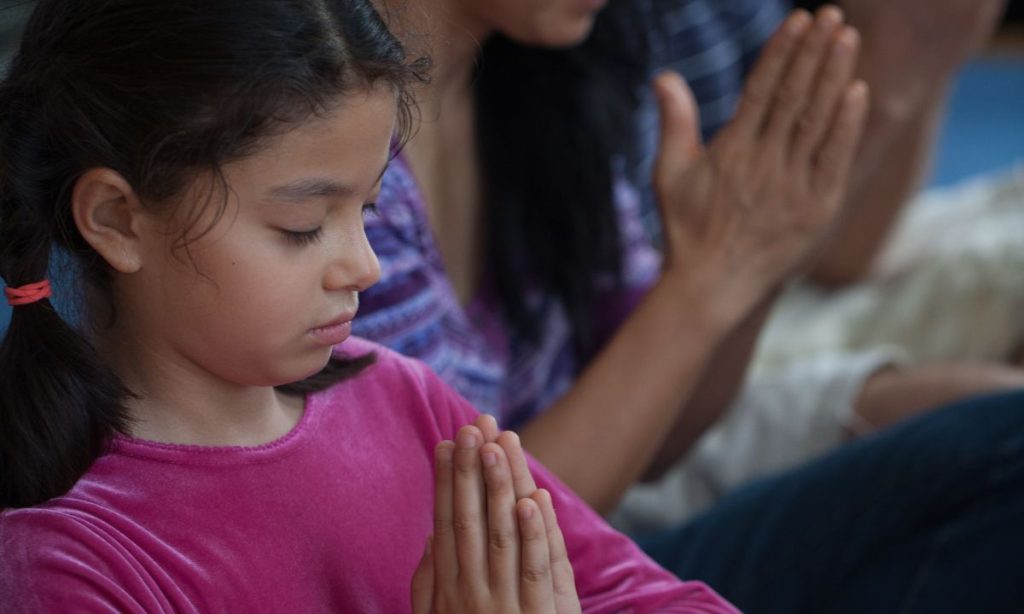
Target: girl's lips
[(333, 334)]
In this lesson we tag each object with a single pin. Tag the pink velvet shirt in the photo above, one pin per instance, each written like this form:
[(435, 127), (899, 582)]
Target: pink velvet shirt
[(332, 517)]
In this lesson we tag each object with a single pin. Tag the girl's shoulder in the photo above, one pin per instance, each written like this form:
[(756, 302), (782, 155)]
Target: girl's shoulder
[(56, 557)]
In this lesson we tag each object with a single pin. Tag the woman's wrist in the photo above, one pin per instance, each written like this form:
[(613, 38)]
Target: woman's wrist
[(714, 302)]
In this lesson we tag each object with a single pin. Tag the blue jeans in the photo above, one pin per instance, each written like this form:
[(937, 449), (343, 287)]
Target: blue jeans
[(925, 517)]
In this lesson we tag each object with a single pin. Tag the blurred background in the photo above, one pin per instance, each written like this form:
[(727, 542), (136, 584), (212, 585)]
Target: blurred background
[(983, 131)]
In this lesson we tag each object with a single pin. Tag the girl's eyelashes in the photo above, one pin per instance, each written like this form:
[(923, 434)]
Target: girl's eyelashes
[(303, 237)]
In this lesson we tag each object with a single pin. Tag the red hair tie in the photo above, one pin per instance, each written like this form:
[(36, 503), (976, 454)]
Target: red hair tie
[(29, 293)]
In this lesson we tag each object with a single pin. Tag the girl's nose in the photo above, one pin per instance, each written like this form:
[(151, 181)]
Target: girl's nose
[(354, 267)]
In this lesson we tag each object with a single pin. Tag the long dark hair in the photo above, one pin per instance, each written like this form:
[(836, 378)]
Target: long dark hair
[(550, 124), (158, 91)]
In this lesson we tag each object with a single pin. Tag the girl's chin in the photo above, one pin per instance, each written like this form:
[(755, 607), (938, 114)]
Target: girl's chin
[(308, 369)]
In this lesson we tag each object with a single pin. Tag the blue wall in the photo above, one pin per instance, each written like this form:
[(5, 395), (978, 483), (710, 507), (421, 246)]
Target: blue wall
[(984, 129)]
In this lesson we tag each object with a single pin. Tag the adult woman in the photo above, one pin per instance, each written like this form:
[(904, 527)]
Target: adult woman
[(506, 314)]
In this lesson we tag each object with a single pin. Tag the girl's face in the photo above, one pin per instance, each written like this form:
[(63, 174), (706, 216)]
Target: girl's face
[(260, 298), (542, 23)]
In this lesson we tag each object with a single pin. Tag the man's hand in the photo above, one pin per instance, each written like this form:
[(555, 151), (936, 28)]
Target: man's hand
[(912, 47)]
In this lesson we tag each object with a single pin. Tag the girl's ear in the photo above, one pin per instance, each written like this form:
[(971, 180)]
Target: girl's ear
[(108, 215)]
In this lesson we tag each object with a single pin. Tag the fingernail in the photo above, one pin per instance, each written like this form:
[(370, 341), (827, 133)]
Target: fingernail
[(797, 22), (467, 440), (526, 511), (829, 17), (490, 458), (847, 39), (444, 452), (858, 91)]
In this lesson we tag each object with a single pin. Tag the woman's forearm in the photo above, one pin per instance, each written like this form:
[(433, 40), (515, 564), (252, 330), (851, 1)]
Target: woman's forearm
[(602, 435), (721, 381)]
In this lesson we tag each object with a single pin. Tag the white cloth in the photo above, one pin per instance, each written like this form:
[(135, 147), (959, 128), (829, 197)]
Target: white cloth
[(779, 420), (950, 286)]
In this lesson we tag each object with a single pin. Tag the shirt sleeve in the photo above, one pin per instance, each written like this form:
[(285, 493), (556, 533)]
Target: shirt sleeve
[(52, 563), (612, 573)]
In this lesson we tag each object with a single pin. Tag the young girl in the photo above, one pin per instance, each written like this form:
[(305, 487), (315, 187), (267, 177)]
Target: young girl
[(195, 448)]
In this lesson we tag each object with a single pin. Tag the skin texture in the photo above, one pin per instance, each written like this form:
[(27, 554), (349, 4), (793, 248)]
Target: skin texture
[(544, 23), (245, 299)]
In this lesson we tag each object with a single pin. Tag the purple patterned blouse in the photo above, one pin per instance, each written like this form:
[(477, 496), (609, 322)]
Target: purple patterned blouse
[(414, 309)]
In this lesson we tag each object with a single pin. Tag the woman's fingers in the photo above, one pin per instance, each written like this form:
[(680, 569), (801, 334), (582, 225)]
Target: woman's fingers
[(502, 529), (680, 127), (536, 592), (793, 91), (759, 91), (833, 81), (563, 581), (469, 510), (522, 479), (834, 158), (423, 582)]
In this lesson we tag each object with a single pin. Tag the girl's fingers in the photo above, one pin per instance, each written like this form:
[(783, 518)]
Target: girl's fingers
[(488, 427), (522, 479), (469, 509), (562, 579), (836, 154), (759, 91), (502, 529), (793, 92), (445, 562), (833, 80), (536, 592), (423, 582)]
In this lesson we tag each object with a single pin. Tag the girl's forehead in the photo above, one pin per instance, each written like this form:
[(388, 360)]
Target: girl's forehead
[(349, 142)]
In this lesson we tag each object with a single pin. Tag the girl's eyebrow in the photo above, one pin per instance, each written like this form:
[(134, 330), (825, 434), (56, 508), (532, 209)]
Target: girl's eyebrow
[(305, 189)]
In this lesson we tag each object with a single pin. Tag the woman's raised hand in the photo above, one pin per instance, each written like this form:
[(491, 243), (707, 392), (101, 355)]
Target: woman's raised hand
[(496, 546), (755, 203)]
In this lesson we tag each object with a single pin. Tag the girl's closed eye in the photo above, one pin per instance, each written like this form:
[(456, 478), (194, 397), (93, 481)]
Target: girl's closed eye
[(306, 237), (303, 237)]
